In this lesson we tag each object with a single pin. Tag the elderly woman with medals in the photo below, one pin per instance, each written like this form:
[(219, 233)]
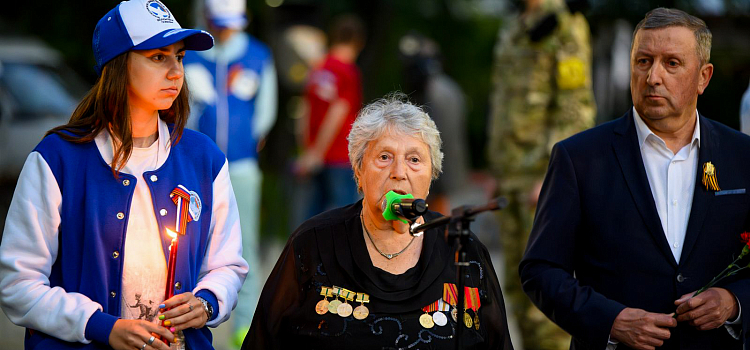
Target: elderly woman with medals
[(354, 278)]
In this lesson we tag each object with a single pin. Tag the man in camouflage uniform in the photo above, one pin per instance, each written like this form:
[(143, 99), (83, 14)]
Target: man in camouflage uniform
[(542, 95)]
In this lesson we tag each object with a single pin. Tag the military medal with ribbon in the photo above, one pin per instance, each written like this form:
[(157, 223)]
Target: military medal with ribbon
[(450, 295), (468, 321), (709, 177), (322, 306), (345, 309), (188, 209), (361, 312), (473, 302), (437, 318), (334, 304), (426, 320)]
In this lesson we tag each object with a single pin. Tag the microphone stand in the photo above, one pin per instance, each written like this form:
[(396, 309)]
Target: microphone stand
[(458, 230)]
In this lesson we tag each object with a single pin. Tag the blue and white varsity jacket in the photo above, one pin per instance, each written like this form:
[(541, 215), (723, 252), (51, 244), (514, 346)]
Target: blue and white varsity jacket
[(61, 255)]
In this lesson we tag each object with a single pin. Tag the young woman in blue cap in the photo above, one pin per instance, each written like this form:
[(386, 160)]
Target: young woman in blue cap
[(84, 257)]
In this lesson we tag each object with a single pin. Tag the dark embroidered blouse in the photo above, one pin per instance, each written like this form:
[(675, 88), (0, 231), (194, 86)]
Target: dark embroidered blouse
[(328, 250)]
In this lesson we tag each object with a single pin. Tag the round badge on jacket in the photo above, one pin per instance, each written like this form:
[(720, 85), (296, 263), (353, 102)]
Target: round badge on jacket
[(195, 206)]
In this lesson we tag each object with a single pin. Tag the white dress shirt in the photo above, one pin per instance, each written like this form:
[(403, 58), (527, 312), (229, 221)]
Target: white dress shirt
[(672, 180)]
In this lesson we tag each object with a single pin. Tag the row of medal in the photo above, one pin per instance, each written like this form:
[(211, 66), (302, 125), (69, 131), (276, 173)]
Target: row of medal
[(448, 302), (343, 309)]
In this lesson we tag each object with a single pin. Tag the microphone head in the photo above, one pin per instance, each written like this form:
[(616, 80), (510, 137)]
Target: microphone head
[(412, 208), (392, 198)]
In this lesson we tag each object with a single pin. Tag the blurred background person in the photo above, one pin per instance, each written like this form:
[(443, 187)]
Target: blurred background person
[(542, 94), (234, 102), (333, 96), (430, 87), (745, 112)]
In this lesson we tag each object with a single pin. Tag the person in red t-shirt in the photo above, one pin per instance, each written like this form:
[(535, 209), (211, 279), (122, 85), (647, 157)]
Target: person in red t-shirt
[(333, 97)]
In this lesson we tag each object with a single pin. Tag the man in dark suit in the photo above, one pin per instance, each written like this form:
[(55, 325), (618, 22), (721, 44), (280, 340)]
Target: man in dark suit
[(626, 230)]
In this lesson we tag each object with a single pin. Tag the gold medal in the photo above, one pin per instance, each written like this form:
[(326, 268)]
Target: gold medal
[(467, 320), (426, 321), (473, 302), (434, 308), (439, 318), (454, 314), (344, 310), (361, 312), (322, 306)]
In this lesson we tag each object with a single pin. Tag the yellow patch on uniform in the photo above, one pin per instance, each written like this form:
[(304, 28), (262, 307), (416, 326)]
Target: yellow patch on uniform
[(571, 73)]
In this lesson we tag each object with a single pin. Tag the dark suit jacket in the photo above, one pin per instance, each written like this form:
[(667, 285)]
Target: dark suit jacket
[(597, 245)]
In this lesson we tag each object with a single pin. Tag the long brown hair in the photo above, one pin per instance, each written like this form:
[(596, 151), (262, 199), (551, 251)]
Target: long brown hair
[(105, 106)]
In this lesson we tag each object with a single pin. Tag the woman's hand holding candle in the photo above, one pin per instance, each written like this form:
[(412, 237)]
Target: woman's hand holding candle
[(181, 315)]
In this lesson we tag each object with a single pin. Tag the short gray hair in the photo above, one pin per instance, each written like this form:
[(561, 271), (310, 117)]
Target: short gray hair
[(393, 113), (664, 17)]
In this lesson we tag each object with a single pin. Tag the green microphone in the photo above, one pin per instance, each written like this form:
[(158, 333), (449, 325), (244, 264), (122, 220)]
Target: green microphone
[(403, 207)]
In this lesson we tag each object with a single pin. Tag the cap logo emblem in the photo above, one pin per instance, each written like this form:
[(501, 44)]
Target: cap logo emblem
[(158, 10)]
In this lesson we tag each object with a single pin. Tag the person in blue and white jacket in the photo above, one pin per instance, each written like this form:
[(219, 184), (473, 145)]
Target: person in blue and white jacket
[(83, 261)]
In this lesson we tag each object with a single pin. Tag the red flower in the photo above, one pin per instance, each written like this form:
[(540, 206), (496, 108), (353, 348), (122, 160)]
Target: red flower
[(746, 238), (733, 268)]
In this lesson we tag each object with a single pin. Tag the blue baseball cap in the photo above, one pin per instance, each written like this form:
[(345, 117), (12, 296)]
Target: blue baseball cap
[(142, 25)]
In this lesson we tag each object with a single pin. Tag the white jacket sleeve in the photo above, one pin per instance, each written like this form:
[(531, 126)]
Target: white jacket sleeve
[(223, 271), (28, 250)]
